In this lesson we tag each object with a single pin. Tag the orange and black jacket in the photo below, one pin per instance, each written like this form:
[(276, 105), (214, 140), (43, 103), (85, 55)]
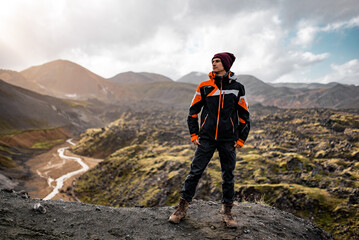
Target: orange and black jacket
[(225, 114)]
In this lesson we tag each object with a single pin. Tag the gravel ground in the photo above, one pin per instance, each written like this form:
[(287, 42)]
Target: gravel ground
[(56, 219)]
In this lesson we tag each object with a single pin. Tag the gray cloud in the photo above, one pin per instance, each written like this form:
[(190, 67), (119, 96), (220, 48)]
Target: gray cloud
[(167, 37)]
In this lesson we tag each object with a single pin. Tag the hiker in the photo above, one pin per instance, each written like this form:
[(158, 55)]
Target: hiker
[(224, 126)]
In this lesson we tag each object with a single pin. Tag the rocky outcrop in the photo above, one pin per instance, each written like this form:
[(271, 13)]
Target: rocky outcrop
[(25, 218)]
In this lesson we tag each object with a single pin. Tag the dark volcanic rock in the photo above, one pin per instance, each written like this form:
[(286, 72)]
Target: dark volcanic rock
[(71, 220)]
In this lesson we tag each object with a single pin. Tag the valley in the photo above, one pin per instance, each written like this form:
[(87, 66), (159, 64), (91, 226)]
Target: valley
[(58, 164), (301, 155)]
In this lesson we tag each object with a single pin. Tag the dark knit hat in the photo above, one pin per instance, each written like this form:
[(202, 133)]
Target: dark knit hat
[(226, 58)]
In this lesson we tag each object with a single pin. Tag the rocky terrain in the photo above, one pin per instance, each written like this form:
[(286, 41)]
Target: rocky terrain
[(25, 218), (303, 161)]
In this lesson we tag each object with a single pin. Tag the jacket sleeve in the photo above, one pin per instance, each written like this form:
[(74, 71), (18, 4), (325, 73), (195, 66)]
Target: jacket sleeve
[(244, 120), (192, 119)]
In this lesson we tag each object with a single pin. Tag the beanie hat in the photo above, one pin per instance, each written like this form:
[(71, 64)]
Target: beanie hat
[(226, 58)]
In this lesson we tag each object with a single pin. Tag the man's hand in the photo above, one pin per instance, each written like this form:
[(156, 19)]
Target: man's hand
[(237, 145), (196, 142)]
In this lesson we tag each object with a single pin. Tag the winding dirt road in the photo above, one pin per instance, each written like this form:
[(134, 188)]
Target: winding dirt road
[(54, 172)]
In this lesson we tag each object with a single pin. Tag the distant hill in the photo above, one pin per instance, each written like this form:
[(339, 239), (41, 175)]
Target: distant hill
[(339, 96), (305, 85), (65, 79), (167, 93), (287, 95), (193, 77), (143, 77)]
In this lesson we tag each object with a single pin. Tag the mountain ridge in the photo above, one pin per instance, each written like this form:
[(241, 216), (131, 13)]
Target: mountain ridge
[(141, 77), (284, 96), (65, 79)]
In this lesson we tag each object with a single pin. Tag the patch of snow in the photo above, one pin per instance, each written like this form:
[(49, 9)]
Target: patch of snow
[(74, 95), (199, 74)]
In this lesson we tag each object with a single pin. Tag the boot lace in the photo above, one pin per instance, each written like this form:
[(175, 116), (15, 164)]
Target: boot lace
[(227, 213), (180, 209)]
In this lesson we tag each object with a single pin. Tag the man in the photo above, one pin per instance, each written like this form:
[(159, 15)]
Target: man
[(224, 126)]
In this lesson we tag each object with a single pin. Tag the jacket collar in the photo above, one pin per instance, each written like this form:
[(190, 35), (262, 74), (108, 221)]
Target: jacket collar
[(226, 78)]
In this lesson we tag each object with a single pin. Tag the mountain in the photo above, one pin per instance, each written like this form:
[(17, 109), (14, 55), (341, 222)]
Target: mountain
[(305, 85), (38, 219), (193, 77), (285, 95), (339, 96), (65, 79), (143, 77)]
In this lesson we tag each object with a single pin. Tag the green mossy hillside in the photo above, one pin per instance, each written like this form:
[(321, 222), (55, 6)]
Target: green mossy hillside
[(303, 161), (138, 175)]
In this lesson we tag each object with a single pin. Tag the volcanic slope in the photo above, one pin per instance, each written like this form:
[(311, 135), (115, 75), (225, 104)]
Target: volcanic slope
[(302, 161), (65, 79), (15, 78), (24, 218), (22, 109)]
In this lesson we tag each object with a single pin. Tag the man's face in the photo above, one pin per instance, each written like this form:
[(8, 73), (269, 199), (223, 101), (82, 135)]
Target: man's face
[(217, 66)]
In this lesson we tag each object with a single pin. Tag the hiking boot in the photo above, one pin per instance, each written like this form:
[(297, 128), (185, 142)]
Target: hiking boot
[(227, 215), (180, 212)]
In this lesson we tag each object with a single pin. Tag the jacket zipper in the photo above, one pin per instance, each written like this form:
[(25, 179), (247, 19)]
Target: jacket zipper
[(204, 121), (232, 123), (219, 109)]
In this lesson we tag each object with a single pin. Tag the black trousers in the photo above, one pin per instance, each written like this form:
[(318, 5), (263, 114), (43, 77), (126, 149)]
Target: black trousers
[(202, 156)]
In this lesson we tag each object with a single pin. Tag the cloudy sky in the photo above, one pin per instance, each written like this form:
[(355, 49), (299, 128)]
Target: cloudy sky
[(276, 41)]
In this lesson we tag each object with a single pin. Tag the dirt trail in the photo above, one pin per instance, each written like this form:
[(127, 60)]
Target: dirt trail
[(49, 166)]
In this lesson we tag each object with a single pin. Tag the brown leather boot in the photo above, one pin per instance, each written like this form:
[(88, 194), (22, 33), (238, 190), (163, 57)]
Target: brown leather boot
[(227, 215), (180, 212)]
